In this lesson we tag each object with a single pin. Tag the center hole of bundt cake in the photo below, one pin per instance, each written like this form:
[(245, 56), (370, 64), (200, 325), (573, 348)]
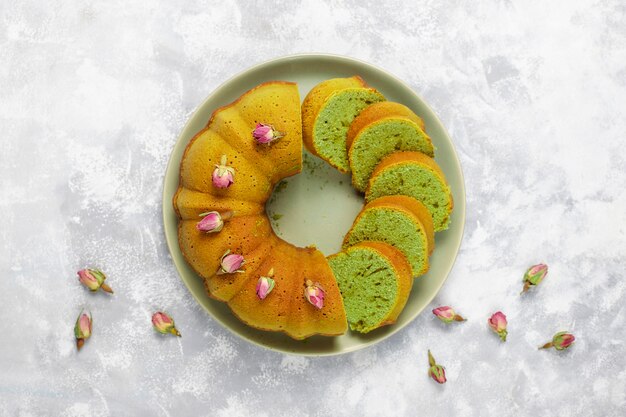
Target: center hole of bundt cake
[(316, 207)]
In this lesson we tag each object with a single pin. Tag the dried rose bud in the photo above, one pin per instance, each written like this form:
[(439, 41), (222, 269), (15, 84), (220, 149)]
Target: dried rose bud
[(447, 314), (497, 322), (534, 276), (230, 263), (314, 293), (164, 324), (223, 175), (94, 280), (436, 372), (82, 328), (266, 134), (560, 341), (212, 221), (265, 285)]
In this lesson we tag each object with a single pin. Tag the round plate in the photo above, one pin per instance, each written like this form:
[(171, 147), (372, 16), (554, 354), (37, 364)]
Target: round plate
[(320, 189)]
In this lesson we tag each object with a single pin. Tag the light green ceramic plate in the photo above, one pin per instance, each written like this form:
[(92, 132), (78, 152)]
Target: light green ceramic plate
[(319, 205)]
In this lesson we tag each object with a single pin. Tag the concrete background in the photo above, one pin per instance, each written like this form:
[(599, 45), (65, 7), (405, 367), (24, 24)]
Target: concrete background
[(92, 97)]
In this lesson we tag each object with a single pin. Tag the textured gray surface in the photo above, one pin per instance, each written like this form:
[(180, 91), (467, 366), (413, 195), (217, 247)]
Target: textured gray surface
[(93, 97)]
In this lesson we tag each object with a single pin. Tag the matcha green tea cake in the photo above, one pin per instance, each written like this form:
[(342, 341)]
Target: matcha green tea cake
[(375, 281), (416, 175), (400, 221), (379, 130), (327, 112)]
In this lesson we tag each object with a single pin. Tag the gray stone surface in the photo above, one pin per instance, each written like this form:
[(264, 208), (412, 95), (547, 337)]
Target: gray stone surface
[(93, 95)]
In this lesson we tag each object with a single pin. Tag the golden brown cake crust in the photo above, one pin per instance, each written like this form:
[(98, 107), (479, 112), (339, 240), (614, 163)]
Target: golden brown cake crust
[(246, 94), (274, 103), (189, 204), (286, 309), (203, 251)]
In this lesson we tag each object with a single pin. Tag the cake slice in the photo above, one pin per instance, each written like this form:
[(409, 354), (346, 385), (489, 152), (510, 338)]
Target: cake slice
[(416, 175), (400, 221), (304, 318), (379, 130), (375, 281), (327, 112)]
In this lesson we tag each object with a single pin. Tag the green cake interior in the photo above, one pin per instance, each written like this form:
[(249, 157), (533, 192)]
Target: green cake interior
[(381, 139), (333, 121), (395, 228), (368, 286), (416, 181)]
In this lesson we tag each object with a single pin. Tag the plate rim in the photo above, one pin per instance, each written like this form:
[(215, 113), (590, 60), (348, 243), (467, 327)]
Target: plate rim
[(172, 242)]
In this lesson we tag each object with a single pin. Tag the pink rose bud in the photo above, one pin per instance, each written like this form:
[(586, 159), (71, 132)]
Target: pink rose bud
[(497, 322), (230, 263), (447, 314), (560, 341), (164, 324), (211, 222), (94, 280), (534, 276), (265, 285), (314, 293), (436, 372), (82, 329), (223, 175), (265, 134)]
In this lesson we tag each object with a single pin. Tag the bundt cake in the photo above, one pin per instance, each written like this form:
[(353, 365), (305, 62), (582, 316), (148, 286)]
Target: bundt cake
[(400, 221), (375, 281), (379, 130), (227, 174), (327, 112), (416, 175)]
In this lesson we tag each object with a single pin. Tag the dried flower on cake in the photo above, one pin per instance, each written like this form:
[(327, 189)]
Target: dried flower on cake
[(212, 221), (560, 341), (498, 323), (534, 275), (164, 324), (435, 371), (230, 263), (447, 314), (265, 285), (82, 328), (314, 293), (223, 175), (266, 134), (94, 280)]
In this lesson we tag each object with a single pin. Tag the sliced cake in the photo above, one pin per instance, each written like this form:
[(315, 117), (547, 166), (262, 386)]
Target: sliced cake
[(416, 175), (400, 221), (375, 281), (379, 130), (327, 112)]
